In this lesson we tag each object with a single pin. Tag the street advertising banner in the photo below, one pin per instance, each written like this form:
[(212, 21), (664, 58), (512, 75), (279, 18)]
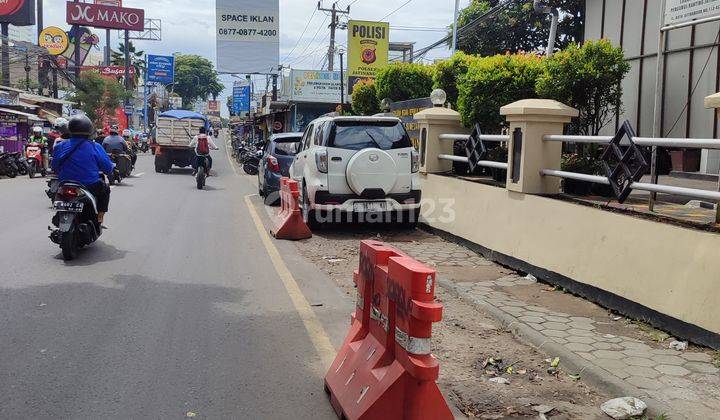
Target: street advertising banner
[(108, 17), (405, 110), (17, 12), (175, 102), (161, 69), (54, 40), (368, 48), (248, 36), (110, 72), (315, 86), (213, 109), (679, 11), (241, 99)]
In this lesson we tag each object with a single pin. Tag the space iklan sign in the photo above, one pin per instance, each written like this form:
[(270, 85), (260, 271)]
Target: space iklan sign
[(108, 17), (247, 36)]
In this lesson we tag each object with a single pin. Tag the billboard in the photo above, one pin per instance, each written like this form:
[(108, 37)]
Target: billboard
[(17, 12), (54, 40), (108, 17), (213, 108), (368, 48), (248, 36), (241, 99), (315, 86), (110, 72), (161, 69), (678, 11)]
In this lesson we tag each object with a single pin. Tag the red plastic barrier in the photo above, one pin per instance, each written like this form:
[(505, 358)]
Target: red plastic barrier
[(384, 369), (289, 223)]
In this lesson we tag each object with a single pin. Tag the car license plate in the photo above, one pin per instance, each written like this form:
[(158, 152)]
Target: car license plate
[(74, 207), (370, 206)]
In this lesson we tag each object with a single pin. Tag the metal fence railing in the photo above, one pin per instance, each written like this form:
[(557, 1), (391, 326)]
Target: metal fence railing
[(618, 172)]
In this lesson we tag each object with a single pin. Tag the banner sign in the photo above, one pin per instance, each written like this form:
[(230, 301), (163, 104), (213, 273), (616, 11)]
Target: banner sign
[(17, 12), (679, 11), (315, 86), (241, 99), (108, 17), (368, 48), (54, 40), (248, 36), (113, 72), (161, 69), (405, 111), (213, 108)]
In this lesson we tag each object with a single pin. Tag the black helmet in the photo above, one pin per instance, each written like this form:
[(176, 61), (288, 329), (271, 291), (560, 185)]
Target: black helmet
[(81, 126)]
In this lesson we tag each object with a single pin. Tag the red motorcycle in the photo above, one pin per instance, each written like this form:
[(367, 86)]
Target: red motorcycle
[(34, 159)]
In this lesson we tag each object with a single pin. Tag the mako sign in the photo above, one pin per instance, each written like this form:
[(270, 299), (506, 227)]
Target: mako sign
[(108, 17), (679, 11), (248, 36)]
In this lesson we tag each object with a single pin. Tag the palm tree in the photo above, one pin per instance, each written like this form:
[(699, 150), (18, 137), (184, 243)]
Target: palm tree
[(137, 59)]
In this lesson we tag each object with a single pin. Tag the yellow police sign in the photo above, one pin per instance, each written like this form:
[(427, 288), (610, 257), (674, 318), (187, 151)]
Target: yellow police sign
[(368, 47), (53, 39)]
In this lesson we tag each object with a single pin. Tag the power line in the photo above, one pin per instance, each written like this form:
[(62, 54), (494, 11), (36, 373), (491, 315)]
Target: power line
[(301, 35), (312, 39), (401, 6)]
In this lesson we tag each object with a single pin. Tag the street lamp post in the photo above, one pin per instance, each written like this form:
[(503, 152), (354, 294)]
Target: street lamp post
[(341, 51)]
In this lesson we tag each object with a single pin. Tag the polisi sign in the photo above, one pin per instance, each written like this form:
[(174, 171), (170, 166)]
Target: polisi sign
[(99, 16)]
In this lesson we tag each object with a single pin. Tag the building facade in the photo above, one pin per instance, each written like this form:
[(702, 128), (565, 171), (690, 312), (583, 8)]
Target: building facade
[(690, 73)]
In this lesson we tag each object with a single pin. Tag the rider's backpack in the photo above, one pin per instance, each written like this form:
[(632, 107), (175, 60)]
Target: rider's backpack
[(203, 148)]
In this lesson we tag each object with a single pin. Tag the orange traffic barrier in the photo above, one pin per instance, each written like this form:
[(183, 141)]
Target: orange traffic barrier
[(384, 369), (289, 223)]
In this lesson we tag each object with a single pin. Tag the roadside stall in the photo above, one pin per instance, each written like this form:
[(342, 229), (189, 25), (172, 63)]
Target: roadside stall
[(14, 129)]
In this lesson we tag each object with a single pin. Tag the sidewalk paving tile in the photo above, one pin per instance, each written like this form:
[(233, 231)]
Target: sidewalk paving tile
[(672, 370)]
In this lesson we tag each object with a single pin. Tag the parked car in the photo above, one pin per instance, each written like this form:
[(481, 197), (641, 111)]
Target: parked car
[(357, 166), (277, 156)]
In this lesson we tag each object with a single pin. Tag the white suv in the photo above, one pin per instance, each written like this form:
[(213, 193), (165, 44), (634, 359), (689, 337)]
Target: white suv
[(364, 166)]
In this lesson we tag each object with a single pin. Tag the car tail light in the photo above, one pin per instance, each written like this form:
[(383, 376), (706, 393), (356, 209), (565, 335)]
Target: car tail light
[(415, 165), (321, 159), (272, 164), (69, 192), (409, 201)]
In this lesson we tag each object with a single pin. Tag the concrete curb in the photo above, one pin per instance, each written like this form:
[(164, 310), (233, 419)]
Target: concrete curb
[(570, 362)]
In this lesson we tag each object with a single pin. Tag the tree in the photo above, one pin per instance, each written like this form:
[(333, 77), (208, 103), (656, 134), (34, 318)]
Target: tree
[(403, 81), (196, 78), (518, 28), (137, 59), (98, 96), (492, 82), (448, 74), (588, 78), (364, 99)]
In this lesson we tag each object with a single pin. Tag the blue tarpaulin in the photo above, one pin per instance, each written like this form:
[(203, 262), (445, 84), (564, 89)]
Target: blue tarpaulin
[(182, 114)]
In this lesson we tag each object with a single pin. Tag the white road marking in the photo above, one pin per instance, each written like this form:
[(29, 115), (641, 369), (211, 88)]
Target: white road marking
[(139, 175)]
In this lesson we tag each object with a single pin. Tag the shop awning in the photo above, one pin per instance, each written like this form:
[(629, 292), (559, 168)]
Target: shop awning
[(31, 117), (44, 99)]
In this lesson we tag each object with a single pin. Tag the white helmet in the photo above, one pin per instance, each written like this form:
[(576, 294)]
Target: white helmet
[(126, 133), (37, 130), (60, 123)]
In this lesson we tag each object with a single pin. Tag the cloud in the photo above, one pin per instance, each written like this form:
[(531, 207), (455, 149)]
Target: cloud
[(188, 26)]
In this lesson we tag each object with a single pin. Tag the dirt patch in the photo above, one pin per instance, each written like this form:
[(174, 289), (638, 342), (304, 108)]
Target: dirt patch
[(466, 339)]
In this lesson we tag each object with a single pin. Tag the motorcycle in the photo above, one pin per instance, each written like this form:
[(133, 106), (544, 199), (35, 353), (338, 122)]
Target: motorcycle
[(123, 166), (143, 145), (34, 159), (202, 171), (8, 167), (76, 219), (53, 185), (20, 163), (251, 162)]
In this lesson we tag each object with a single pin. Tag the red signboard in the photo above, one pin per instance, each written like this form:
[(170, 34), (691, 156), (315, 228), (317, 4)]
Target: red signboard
[(110, 71), (17, 12), (8, 7), (108, 17)]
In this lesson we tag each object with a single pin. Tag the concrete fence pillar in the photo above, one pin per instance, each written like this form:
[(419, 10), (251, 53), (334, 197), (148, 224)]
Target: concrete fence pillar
[(530, 120), (433, 122)]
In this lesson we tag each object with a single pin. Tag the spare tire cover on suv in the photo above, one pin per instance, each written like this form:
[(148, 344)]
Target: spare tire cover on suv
[(371, 169)]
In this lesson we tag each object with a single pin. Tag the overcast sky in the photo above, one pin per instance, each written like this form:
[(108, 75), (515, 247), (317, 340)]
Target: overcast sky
[(188, 26)]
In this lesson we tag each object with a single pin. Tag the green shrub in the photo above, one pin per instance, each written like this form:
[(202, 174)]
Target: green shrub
[(492, 82), (448, 74), (588, 78), (403, 81), (364, 99)]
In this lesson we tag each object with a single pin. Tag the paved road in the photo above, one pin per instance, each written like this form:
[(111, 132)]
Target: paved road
[(176, 309)]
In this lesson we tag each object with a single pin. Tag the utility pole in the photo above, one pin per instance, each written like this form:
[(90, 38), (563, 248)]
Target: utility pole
[(455, 28), (43, 62), (334, 11), (78, 45)]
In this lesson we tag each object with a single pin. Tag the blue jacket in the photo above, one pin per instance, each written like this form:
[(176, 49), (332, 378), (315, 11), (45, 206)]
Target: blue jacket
[(85, 164)]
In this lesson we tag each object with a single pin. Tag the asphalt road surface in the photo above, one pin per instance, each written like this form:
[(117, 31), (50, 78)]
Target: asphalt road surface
[(179, 310)]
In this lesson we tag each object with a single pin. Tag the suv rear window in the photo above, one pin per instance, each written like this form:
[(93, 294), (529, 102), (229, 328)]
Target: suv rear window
[(358, 135), (287, 148)]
